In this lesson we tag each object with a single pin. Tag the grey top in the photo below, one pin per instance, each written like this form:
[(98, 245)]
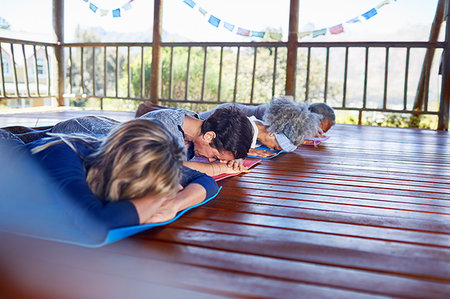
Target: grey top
[(173, 120), (248, 110)]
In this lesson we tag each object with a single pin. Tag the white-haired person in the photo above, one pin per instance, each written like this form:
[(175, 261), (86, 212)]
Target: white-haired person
[(281, 124), (134, 175)]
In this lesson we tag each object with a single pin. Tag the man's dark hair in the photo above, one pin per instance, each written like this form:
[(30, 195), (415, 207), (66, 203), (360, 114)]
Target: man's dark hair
[(234, 132)]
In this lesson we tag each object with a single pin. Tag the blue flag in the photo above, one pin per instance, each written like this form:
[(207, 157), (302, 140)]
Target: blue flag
[(228, 26), (214, 21), (190, 3), (370, 13), (258, 34), (116, 13), (93, 7)]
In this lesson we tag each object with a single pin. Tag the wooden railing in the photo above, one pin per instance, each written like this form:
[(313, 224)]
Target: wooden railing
[(251, 73)]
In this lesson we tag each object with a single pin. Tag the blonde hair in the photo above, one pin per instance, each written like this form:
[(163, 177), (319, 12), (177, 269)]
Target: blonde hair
[(137, 158)]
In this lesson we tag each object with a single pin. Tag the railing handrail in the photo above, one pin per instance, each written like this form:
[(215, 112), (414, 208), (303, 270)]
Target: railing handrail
[(26, 42)]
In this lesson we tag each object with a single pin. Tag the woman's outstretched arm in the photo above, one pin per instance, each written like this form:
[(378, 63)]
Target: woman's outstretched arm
[(196, 187)]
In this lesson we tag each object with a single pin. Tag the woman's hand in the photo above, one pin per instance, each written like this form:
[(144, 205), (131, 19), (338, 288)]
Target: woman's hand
[(235, 166), (154, 209)]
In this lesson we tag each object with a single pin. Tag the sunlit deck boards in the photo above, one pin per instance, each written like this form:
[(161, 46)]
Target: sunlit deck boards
[(365, 214)]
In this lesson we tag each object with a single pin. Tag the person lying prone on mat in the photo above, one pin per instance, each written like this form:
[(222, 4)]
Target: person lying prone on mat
[(134, 175), (280, 125), (225, 136)]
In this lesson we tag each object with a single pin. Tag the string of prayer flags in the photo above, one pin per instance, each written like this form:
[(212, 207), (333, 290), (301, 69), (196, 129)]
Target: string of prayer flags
[(336, 29), (116, 13)]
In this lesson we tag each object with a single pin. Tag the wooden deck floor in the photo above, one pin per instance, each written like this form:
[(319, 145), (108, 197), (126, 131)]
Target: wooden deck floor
[(366, 214)]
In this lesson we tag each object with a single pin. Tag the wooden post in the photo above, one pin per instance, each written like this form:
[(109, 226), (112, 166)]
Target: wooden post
[(445, 89), (291, 67), (155, 90), (58, 28), (424, 81)]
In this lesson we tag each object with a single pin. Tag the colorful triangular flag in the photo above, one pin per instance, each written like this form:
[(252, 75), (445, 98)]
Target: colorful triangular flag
[(116, 13), (370, 13), (190, 3), (228, 26), (258, 34), (127, 6), (304, 34), (202, 11), (275, 35), (354, 20), (336, 29), (319, 32), (243, 32), (93, 7), (214, 21), (103, 12), (385, 2)]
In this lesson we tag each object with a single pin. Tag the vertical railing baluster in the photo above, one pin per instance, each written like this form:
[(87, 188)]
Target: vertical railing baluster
[(386, 72), (205, 53), (366, 72), (142, 73), (104, 75), (308, 65), (15, 70), (344, 92), (219, 87), (117, 71), (3, 74), (171, 74), (129, 71), (327, 66), (70, 70), (26, 70), (93, 71), (49, 79), (252, 90), (274, 72), (236, 73), (82, 70), (405, 88), (186, 91)]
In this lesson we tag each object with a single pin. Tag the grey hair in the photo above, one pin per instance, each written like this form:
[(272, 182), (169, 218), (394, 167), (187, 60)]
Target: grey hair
[(292, 119), (325, 110)]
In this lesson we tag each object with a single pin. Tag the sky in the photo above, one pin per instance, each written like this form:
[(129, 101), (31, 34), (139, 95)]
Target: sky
[(34, 16)]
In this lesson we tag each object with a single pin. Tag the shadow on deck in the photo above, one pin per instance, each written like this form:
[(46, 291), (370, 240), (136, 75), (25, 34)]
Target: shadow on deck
[(366, 213)]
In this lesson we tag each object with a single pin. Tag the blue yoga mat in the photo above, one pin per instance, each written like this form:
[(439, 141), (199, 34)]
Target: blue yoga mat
[(30, 204)]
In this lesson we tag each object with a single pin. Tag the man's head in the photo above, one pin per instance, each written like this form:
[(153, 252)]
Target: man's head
[(225, 135), (291, 122), (328, 118)]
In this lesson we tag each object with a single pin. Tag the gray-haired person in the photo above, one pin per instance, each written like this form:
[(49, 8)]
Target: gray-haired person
[(281, 124)]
